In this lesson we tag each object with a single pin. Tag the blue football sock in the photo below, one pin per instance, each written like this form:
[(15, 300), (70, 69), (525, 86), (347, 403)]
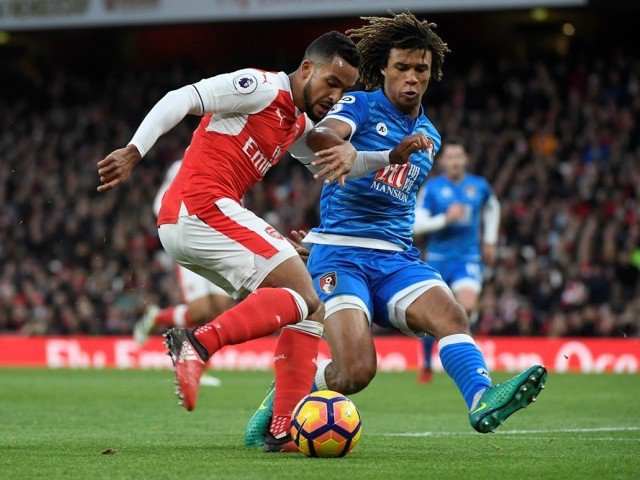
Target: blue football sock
[(427, 349), (465, 364)]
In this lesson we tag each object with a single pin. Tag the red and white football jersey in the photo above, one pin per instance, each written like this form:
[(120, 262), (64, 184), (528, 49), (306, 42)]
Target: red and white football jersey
[(249, 122)]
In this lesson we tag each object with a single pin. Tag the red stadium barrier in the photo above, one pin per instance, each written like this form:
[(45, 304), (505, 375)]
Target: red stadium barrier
[(394, 353)]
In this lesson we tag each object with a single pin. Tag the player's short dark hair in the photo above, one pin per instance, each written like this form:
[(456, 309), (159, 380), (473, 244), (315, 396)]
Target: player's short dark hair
[(331, 44), (404, 31), (454, 140)]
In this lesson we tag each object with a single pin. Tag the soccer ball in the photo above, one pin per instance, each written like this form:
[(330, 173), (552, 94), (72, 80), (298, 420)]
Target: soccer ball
[(325, 424)]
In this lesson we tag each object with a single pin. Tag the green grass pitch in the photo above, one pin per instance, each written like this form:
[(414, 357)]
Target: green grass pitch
[(56, 424)]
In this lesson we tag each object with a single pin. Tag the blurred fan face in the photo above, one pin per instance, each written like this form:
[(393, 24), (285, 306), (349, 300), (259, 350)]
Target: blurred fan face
[(454, 160), (406, 78), (326, 84)]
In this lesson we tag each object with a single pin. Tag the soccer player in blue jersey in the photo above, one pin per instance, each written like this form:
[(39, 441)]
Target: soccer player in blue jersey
[(363, 263), (451, 208)]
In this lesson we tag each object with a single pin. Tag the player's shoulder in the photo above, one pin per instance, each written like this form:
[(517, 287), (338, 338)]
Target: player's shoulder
[(356, 96), (248, 80), (352, 105), (357, 100)]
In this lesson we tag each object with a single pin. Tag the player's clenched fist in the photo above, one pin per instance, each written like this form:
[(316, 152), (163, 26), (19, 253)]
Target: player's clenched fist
[(408, 145), (116, 167)]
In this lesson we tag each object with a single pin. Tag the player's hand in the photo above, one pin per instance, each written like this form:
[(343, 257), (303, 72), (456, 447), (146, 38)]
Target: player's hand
[(296, 241), (455, 213), (116, 167), (408, 145), (488, 254), (337, 162)]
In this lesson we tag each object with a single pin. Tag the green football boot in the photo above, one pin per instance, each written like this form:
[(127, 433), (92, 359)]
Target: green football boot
[(258, 426), (497, 403)]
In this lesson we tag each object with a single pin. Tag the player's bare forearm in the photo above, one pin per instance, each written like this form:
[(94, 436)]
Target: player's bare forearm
[(335, 154), (116, 167), (328, 133)]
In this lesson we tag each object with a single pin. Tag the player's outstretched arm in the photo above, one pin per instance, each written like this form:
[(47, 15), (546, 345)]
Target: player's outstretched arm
[(116, 167), (365, 162)]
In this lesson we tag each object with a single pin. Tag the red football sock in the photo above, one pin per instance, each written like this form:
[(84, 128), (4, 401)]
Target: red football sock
[(177, 316), (262, 313), (295, 369)]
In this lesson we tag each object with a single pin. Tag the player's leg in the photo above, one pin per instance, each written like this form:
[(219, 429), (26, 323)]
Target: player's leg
[(446, 321), (295, 353), (202, 301), (435, 311), (233, 248), (426, 372), (340, 278), (466, 284), (339, 283), (429, 306), (427, 342), (353, 355), (351, 368)]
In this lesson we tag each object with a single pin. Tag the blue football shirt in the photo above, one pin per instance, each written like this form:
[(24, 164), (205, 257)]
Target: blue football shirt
[(458, 241), (378, 209)]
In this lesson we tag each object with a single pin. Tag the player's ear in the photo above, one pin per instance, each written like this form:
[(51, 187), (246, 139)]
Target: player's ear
[(306, 68)]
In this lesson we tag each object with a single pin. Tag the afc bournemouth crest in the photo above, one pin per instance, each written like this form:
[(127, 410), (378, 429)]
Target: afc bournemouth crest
[(328, 282), (274, 233)]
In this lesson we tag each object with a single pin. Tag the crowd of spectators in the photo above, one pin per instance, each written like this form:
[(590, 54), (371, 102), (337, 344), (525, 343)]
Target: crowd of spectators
[(558, 140)]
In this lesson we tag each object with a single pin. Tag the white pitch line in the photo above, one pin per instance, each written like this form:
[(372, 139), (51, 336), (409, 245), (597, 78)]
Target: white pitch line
[(516, 432), (572, 437)]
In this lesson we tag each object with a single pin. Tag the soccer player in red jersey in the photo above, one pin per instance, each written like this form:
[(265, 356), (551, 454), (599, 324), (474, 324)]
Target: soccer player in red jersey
[(250, 118), (201, 299)]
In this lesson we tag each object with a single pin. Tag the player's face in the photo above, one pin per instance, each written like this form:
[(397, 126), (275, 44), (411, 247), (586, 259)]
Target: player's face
[(454, 160), (326, 83), (406, 78)]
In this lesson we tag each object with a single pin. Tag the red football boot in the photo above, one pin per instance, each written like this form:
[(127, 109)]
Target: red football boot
[(189, 362)]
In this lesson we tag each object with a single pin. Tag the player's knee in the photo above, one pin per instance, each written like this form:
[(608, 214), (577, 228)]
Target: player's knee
[(314, 306), (452, 320), (457, 319), (355, 378)]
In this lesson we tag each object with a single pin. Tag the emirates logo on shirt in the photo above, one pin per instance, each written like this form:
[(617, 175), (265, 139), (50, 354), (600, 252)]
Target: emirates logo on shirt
[(328, 282)]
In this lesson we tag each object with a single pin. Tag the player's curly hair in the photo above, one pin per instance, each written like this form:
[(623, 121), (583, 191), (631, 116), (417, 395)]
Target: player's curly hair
[(377, 37)]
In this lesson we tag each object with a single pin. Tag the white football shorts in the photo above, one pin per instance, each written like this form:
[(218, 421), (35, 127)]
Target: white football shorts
[(232, 248)]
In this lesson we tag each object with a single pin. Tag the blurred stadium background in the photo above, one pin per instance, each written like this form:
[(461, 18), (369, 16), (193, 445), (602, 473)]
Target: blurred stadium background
[(547, 94)]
